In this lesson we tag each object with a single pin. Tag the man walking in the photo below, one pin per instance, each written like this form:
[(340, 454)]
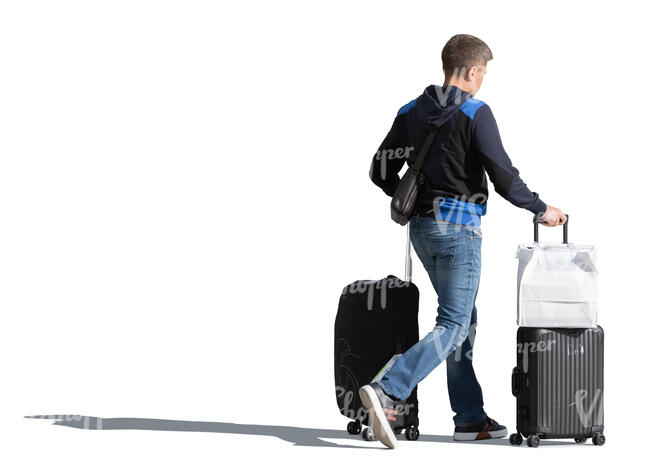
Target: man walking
[(445, 231)]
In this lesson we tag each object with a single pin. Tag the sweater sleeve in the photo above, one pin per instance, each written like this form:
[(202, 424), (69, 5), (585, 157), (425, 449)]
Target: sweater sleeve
[(505, 177), (390, 157)]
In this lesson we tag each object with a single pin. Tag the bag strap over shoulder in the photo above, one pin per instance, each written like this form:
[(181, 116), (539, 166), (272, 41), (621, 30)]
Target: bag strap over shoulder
[(419, 161)]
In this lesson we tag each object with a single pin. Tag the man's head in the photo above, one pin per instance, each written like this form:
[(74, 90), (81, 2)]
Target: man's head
[(464, 61)]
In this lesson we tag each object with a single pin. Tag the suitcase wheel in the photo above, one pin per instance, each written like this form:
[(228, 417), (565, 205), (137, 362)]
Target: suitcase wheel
[(516, 439), (598, 439), (580, 440), (354, 427), (367, 434), (412, 433), (532, 441)]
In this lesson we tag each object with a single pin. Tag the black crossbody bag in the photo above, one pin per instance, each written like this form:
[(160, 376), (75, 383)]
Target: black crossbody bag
[(403, 202)]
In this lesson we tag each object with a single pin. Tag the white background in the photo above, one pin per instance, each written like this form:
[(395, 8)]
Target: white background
[(184, 192)]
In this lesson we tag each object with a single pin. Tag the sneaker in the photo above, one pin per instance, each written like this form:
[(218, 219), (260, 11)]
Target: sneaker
[(483, 430), (380, 408)]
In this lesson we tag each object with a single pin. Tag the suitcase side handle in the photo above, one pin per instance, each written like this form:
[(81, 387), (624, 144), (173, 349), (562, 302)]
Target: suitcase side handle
[(516, 382), (565, 229)]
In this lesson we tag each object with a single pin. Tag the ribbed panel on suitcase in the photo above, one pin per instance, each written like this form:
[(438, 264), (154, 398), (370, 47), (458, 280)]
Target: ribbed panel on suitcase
[(559, 382)]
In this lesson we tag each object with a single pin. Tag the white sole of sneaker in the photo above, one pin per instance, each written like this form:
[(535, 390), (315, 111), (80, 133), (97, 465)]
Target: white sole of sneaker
[(470, 436), (380, 426)]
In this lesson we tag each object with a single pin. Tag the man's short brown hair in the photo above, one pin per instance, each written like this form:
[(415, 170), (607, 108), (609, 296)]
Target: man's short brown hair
[(464, 51)]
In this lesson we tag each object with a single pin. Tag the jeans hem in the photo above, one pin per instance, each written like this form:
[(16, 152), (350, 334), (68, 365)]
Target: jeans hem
[(463, 423), (390, 392)]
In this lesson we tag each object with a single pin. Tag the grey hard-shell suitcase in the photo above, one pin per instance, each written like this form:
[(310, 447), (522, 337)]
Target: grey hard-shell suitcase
[(558, 383)]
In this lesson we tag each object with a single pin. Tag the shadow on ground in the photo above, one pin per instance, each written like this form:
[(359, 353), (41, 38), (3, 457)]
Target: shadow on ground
[(295, 435)]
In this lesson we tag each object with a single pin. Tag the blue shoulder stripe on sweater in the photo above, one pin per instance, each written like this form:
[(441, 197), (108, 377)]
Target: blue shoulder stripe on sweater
[(471, 106), (406, 107)]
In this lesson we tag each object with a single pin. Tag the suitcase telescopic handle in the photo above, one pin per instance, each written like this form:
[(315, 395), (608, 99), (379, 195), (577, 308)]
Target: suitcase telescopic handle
[(565, 229), (407, 262)]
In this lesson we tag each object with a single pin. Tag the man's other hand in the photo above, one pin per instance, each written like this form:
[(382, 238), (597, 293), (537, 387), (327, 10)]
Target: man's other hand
[(553, 217)]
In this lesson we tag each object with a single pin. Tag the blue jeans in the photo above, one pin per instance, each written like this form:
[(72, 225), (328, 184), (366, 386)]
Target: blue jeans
[(451, 254)]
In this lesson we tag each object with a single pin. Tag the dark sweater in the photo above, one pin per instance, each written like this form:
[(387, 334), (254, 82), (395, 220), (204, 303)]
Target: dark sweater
[(466, 146)]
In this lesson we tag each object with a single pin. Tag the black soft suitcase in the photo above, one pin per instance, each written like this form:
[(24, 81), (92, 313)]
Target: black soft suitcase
[(558, 383), (376, 320)]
